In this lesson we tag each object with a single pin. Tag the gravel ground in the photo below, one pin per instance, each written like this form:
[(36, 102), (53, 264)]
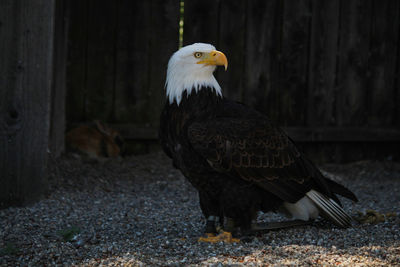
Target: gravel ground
[(141, 211)]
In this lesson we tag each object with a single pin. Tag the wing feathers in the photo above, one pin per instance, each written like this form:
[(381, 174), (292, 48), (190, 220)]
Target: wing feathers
[(330, 209), (257, 152)]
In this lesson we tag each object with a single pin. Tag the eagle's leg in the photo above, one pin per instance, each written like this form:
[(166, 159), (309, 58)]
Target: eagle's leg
[(211, 230), (211, 209), (212, 224), (224, 233), (230, 225)]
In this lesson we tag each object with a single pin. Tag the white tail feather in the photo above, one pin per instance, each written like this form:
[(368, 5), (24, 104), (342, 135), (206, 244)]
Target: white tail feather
[(330, 209), (304, 209)]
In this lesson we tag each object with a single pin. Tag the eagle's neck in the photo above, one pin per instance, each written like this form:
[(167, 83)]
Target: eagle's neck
[(186, 81), (198, 102)]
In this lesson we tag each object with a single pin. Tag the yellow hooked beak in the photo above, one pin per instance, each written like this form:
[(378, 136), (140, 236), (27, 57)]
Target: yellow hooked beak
[(214, 57)]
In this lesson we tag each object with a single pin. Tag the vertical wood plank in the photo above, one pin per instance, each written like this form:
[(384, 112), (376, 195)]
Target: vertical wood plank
[(57, 118), (396, 120), (262, 56), (294, 63), (164, 41), (26, 42), (353, 74), (101, 59), (77, 61), (231, 40), (147, 37), (323, 61), (201, 22), (132, 61), (382, 62)]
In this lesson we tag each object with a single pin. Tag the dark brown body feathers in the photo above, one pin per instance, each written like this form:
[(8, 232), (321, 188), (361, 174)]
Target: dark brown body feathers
[(236, 158)]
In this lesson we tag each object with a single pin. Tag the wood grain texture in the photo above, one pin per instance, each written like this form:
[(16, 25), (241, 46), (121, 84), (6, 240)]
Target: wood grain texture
[(396, 96), (323, 62), (26, 42), (262, 56), (353, 73), (132, 61), (201, 22), (77, 61), (296, 32), (102, 19), (164, 30), (118, 59), (58, 92), (384, 47), (231, 40)]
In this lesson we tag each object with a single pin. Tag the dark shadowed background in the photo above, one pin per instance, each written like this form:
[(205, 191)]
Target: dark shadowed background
[(326, 71)]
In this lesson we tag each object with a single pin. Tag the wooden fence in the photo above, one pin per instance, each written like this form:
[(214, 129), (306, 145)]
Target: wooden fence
[(326, 71), (26, 66), (304, 62), (118, 54)]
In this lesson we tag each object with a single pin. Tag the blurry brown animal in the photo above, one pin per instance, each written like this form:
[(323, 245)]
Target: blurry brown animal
[(95, 141)]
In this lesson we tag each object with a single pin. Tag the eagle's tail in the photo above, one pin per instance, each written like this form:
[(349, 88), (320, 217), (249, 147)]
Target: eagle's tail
[(330, 209), (340, 190)]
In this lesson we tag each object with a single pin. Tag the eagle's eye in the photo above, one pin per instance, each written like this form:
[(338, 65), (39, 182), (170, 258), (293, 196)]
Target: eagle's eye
[(198, 54)]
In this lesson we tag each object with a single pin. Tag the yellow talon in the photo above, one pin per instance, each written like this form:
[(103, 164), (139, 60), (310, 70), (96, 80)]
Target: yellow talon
[(222, 237)]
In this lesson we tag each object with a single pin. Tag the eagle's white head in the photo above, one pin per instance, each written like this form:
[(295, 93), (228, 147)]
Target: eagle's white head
[(192, 67)]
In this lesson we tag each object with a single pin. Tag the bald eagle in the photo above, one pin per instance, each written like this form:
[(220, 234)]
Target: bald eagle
[(237, 159)]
